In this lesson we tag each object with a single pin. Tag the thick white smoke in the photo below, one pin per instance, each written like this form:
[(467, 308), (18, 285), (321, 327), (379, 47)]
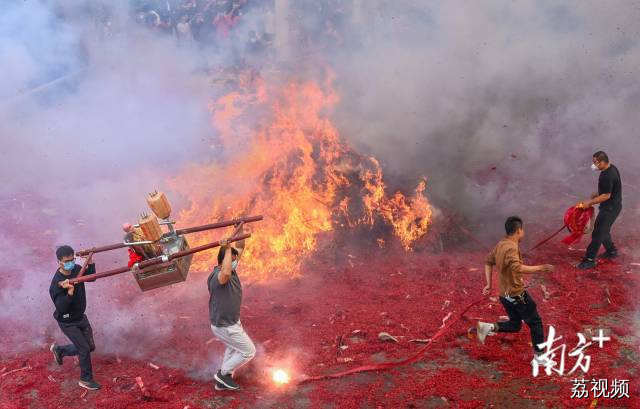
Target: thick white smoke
[(500, 104), (93, 115)]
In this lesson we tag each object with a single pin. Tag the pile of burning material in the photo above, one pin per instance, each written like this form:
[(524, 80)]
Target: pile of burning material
[(165, 257), (287, 161)]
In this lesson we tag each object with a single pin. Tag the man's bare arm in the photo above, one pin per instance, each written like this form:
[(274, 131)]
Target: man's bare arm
[(542, 268), (488, 274), (225, 268), (595, 200), (512, 258), (239, 245)]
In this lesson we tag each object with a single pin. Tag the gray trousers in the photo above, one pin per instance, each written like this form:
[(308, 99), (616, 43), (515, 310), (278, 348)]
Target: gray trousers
[(240, 348)]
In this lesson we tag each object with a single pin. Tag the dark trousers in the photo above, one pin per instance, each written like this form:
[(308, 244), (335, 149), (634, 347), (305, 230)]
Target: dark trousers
[(81, 336), (602, 232), (525, 310)]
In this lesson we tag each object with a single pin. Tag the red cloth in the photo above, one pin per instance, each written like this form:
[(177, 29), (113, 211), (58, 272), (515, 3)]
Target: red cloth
[(576, 220), (133, 257)]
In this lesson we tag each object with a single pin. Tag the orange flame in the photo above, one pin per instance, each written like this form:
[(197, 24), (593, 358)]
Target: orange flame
[(287, 162)]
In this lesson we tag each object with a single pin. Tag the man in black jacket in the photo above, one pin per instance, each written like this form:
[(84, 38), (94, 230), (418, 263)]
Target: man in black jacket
[(70, 302), (609, 197)]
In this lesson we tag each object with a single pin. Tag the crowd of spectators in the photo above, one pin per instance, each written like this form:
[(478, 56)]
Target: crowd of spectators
[(319, 24), (203, 22), (312, 23), (246, 27)]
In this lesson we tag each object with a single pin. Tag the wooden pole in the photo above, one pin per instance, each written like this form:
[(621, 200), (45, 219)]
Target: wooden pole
[(155, 261)]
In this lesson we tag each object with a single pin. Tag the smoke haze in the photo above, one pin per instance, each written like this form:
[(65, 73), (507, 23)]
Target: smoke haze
[(451, 90)]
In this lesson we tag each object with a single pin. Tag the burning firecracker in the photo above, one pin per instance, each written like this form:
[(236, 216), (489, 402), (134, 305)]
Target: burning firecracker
[(280, 377)]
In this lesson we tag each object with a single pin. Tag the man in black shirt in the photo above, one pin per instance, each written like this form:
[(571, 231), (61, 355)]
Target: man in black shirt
[(609, 197), (70, 302)]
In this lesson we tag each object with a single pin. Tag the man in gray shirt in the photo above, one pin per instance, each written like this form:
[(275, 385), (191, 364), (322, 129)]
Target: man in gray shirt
[(225, 299)]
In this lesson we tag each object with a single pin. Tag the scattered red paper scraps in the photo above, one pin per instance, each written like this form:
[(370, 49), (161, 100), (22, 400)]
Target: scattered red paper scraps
[(546, 292), (388, 365), (506, 354), (385, 336), (143, 388), (444, 320), (470, 332), (24, 368), (421, 341)]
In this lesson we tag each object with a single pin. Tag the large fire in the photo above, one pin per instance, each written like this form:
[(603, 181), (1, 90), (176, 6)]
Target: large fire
[(283, 158)]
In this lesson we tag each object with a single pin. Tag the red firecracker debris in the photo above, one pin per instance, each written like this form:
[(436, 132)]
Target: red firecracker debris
[(289, 322)]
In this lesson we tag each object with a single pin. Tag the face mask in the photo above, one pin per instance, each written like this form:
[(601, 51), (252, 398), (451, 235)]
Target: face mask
[(234, 264), (594, 167), (69, 265)]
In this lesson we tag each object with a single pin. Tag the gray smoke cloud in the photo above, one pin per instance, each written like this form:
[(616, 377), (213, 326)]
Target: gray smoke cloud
[(499, 104), (96, 110)]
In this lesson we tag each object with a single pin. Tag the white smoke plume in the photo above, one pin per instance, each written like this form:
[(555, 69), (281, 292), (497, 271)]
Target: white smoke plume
[(96, 110), (500, 104)]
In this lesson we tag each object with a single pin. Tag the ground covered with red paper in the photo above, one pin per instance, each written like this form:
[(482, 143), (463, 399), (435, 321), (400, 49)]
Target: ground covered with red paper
[(328, 320)]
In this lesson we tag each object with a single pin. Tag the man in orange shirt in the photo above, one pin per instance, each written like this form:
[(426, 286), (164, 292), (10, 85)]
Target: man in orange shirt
[(516, 301)]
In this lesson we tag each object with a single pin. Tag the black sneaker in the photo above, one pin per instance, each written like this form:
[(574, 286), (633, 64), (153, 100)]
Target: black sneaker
[(587, 264), (57, 356), (609, 254), (220, 386), (91, 385), (226, 380)]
